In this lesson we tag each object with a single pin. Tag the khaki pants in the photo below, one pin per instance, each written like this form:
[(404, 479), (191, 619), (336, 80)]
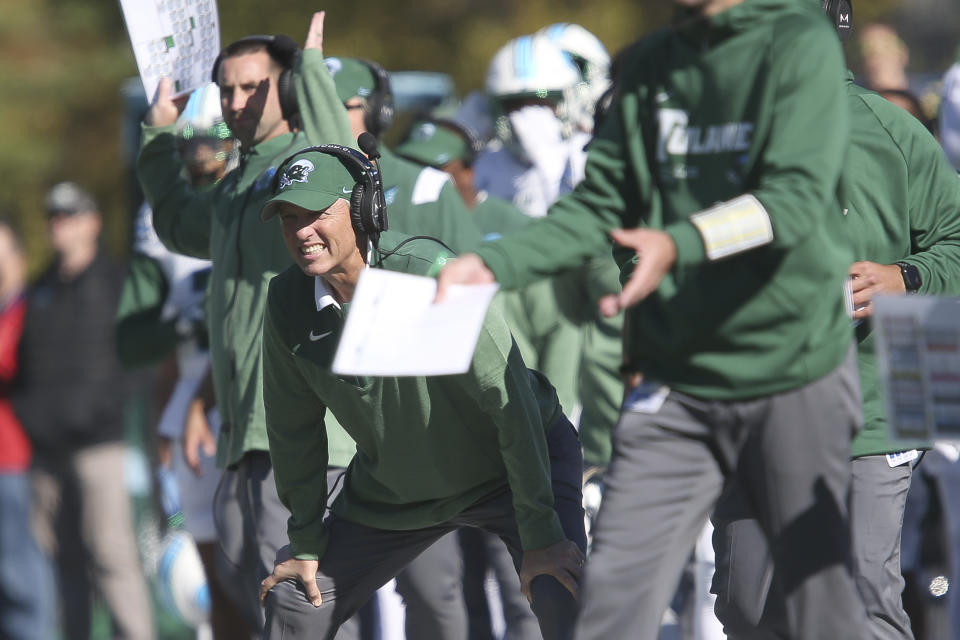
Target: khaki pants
[(82, 518)]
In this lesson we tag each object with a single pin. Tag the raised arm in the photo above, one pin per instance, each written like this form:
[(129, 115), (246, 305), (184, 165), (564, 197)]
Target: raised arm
[(323, 116), (181, 215)]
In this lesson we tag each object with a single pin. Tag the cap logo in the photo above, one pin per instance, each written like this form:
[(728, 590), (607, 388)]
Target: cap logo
[(297, 172), (333, 65), (425, 131)]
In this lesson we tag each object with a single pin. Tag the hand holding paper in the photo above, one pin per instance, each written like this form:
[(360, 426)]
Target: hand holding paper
[(467, 269), (164, 110)]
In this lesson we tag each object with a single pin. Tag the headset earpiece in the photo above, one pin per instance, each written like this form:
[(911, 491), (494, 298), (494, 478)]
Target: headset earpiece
[(380, 110), (357, 207), (284, 50)]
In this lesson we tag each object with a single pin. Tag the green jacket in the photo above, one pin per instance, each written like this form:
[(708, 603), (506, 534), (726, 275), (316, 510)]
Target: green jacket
[(223, 224), (748, 101), (427, 447), (902, 202)]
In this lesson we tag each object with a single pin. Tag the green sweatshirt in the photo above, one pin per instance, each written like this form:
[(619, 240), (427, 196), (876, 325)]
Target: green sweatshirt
[(427, 447), (223, 224), (902, 202), (749, 101)]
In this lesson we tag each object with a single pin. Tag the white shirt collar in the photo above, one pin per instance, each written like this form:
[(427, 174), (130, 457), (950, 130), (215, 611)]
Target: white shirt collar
[(322, 295)]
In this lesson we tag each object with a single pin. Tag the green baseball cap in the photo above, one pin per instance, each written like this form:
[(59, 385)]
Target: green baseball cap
[(432, 144), (351, 77), (311, 180)]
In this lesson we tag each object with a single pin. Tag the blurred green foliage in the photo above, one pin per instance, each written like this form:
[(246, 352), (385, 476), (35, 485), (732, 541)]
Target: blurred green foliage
[(62, 63)]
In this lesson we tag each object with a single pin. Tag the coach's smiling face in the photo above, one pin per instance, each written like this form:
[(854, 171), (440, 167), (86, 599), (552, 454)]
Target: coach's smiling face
[(322, 243)]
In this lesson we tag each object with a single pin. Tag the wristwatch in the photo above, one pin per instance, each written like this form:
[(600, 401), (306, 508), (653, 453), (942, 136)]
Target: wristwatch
[(911, 276)]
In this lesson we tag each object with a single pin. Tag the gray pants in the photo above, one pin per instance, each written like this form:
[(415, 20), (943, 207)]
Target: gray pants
[(749, 595), (789, 455), (251, 527), (432, 590), (359, 559)]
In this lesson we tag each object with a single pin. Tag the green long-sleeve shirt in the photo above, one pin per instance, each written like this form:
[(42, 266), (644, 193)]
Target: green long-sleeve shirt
[(223, 224), (427, 447), (749, 101), (902, 202)]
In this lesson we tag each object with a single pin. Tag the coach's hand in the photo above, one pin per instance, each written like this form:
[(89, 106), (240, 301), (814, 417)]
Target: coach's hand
[(656, 254), (868, 279), (315, 33), (303, 570), (164, 110), (562, 560)]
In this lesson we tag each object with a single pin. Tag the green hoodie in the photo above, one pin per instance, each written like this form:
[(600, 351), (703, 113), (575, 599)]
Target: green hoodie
[(427, 447), (902, 202), (747, 101)]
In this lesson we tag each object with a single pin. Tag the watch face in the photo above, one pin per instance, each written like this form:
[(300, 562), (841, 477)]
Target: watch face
[(911, 276)]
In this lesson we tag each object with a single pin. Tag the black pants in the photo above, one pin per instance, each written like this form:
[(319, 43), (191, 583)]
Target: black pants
[(360, 559)]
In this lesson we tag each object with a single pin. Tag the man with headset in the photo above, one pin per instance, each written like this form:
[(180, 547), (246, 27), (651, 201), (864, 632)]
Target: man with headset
[(490, 448), (900, 200), (275, 100), (716, 170)]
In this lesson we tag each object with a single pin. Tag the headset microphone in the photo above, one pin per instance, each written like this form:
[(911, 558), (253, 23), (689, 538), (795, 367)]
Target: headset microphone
[(368, 144)]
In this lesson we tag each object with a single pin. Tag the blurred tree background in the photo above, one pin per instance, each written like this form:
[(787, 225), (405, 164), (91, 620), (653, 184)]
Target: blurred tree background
[(63, 62)]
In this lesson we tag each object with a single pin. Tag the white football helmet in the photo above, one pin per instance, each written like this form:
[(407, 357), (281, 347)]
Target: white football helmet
[(530, 67), (202, 116), (201, 123), (592, 61)]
